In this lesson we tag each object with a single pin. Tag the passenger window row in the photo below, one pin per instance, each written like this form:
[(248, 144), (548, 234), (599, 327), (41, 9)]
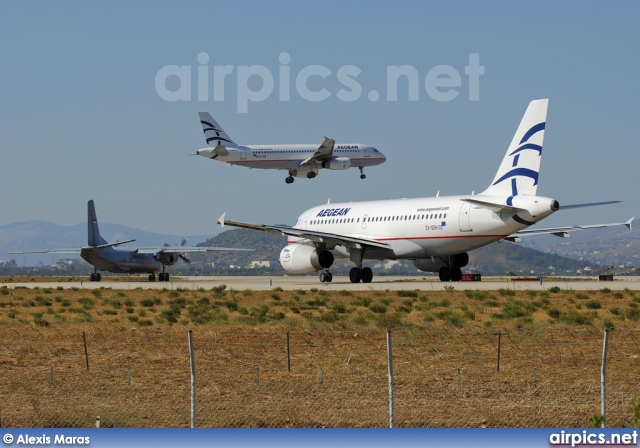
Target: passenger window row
[(380, 219)]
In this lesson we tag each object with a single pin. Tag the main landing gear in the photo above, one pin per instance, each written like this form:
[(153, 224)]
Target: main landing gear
[(95, 276), (289, 179), (162, 277), (362, 175), (357, 274), (453, 274), (326, 276)]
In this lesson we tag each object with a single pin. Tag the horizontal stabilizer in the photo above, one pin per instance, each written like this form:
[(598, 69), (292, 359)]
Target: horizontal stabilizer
[(563, 231), (589, 204)]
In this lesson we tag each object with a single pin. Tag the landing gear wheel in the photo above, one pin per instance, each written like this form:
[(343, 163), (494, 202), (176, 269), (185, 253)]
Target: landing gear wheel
[(92, 277), (445, 274), (98, 277), (166, 276), (456, 274), (363, 176), (311, 175), (289, 180), (367, 275), (152, 277), (326, 277), (161, 277), (355, 275)]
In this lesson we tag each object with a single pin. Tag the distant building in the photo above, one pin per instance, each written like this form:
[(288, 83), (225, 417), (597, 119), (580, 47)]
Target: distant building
[(260, 264), (10, 263)]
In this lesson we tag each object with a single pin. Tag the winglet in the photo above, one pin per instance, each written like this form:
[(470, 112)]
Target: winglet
[(628, 223), (221, 219)]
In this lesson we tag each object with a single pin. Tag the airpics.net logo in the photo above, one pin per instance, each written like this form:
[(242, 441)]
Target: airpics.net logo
[(256, 83)]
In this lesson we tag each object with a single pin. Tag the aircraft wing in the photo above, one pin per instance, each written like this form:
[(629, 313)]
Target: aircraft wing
[(331, 239), (324, 152), (75, 250), (563, 232), (183, 250)]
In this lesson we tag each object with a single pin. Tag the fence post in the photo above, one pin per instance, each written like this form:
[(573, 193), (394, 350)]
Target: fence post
[(390, 364), (192, 361), (603, 379), (288, 354), (86, 353), (458, 378), (499, 342)]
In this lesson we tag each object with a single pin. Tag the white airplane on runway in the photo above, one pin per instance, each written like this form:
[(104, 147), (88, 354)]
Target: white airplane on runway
[(105, 256), (435, 232), (299, 160)]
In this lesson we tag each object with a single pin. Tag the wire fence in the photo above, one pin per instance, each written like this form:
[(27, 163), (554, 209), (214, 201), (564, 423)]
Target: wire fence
[(315, 378)]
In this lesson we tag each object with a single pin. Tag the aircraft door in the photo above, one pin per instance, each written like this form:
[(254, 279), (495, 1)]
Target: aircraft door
[(367, 152), (464, 218), (364, 221), (243, 155)]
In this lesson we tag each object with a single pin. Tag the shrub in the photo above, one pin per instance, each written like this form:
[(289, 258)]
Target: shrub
[(219, 290), (378, 308), (339, 307), (554, 289), (593, 305), (506, 292), (403, 293)]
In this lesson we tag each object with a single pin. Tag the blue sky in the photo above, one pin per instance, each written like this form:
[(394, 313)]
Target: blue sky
[(81, 118)]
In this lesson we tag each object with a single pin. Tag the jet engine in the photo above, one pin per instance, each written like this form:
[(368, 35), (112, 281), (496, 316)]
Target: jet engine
[(428, 265), (302, 259), (168, 259), (337, 163)]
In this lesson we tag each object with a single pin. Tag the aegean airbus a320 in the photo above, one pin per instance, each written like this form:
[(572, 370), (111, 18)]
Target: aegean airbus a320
[(299, 160)]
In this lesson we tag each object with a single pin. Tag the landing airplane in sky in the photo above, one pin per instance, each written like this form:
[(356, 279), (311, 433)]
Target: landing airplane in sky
[(105, 257), (435, 232), (299, 160)]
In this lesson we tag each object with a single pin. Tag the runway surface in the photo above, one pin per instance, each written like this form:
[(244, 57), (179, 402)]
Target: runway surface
[(342, 282)]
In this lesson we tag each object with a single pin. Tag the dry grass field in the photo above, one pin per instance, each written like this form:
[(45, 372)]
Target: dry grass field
[(335, 371)]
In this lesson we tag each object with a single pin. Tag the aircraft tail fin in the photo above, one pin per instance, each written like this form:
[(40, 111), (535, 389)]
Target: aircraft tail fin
[(94, 232), (518, 173), (213, 133)]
